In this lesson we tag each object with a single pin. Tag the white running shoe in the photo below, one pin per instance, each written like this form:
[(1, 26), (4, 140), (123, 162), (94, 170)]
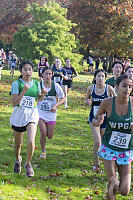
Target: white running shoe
[(43, 155)]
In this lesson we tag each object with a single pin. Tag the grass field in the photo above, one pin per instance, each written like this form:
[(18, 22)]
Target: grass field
[(67, 173)]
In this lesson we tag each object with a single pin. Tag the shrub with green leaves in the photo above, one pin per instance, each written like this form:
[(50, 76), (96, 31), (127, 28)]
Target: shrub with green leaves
[(48, 34)]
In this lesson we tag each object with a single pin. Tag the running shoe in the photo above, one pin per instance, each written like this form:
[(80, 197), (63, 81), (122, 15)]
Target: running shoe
[(43, 155), (17, 166), (29, 170)]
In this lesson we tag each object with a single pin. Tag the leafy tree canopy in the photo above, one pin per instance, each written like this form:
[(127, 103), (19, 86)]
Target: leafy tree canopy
[(104, 24), (48, 34)]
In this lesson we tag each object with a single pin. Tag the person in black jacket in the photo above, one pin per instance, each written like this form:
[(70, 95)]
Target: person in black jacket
[(67, 84)]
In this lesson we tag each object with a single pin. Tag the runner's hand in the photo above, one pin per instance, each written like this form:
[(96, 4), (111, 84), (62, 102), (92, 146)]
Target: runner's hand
[(53, 109), (26, 87), (61, 74), (44, 91), (89, 102), (100, 119)]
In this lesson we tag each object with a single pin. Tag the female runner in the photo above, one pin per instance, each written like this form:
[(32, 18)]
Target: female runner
[(117, 143), (25, 93), (95, 95), (48, 108)]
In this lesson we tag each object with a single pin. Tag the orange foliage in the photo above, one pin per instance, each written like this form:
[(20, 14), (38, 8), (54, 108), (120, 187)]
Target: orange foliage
[(12, 13), (94, 18)]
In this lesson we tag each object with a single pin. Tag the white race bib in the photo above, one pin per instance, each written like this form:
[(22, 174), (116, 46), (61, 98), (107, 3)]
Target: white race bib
[(40, 70), (27, 102), (45, 106), (57, 79), (95, 110), (119, 139)]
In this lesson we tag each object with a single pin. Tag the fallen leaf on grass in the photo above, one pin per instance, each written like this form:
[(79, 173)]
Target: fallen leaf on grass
[(43, 177), (66, 133), (84, 172), (69, 189), (88, 197), (56, 174), (35, 165), (28, 188), (63, 154), (50, 191), (96, 192), (9, 181), (11, 140), (6, 164), (70, 144)]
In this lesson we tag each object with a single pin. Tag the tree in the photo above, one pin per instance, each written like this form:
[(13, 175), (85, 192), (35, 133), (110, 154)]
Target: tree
[(103, 24), (48, 34), (13, 13), (64, 3)]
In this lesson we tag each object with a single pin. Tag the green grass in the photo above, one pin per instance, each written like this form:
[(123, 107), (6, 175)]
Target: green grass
[(67, 173)]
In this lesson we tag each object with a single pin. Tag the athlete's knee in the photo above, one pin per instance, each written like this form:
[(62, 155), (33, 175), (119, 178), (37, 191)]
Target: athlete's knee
[(113, 180), (31, 142), (18, 142)]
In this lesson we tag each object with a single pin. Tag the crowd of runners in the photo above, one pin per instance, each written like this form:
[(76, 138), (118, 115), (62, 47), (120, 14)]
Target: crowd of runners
[(35, 103), (110, 119)]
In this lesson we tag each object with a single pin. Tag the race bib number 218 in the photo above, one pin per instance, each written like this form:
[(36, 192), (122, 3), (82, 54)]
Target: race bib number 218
[(27, 102)]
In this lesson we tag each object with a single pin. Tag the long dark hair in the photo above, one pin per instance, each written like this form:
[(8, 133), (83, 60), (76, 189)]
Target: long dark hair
[(121, 78), (118, 62), (46, 68), (46, 59), (24, 62), (95, 74)]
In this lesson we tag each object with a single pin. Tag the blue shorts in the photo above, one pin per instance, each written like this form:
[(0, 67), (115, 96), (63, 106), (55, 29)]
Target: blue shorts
[(121, 158)]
